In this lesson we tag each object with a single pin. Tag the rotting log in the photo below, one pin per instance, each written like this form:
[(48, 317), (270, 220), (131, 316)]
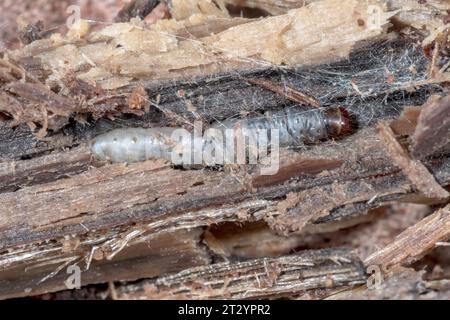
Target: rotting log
[(139, 201), (153, 189), (60, 207)]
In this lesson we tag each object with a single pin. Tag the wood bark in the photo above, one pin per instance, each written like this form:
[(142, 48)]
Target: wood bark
[(124, 222)]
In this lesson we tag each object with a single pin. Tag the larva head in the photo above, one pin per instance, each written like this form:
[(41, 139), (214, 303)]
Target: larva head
[(338, 122)]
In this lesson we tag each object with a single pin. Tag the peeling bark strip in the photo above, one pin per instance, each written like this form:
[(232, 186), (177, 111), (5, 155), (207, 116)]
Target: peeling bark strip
[(414, 242), (15, 175), (291, 94), (407, 122), (264, 278), (302, 208), (414, 169), (433, 127)]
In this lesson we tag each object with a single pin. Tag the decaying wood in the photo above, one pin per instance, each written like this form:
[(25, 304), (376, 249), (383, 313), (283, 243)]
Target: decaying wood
[(60, 207), (415, 241), (179, 205), (401, 283), (151, 189), (230, 94), (168, 55), (165, 253), (289, 93), (407, 122), (261, 278), (420, 14), (433, 128), (415, 170)]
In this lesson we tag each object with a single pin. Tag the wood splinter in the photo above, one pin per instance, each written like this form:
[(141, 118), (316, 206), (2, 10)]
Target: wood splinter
[(287, 92), (416, 172)]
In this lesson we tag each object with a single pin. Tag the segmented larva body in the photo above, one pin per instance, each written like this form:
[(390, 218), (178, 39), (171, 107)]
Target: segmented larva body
[(295, 126), (133, 144)]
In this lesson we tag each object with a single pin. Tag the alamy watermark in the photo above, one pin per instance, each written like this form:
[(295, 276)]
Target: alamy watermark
[(74, 279), (227, 146), (75, 16)]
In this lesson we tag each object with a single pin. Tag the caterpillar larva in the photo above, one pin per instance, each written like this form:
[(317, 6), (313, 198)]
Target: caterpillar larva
[(295, 126)]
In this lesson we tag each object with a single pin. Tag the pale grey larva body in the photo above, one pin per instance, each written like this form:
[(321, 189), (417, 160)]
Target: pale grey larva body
[(294, 125), (132, 144)]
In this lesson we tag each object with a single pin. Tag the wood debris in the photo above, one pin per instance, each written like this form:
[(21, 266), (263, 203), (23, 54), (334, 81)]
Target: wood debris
[(415, 241), (152, 230), (414, 169), (433, 127), (260, 278)]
